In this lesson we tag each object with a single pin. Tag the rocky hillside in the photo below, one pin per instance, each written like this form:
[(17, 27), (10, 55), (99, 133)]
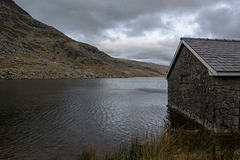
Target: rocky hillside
[(30, 49)]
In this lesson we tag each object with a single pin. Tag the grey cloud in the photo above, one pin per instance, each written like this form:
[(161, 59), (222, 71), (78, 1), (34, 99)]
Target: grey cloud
[(143, 54), (92, 17), (148, 22), (151, 55), (156, 54), (219, 23)]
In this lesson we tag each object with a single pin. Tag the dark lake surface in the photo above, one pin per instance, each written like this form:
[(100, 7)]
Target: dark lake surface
[(56, 119)]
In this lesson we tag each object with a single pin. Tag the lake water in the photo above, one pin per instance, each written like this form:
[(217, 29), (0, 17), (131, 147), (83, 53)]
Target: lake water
[(47, 119)]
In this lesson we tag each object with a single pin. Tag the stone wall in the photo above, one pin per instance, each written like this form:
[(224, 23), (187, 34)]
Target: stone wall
[(208, 100)]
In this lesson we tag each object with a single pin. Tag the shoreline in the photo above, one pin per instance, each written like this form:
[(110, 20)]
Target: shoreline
[(10, 74)]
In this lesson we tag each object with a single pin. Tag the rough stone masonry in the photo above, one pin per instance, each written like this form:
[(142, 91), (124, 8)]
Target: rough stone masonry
[(212, 101)]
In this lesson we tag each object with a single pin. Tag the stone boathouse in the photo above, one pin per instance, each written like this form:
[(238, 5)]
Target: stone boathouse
[(204, 83)]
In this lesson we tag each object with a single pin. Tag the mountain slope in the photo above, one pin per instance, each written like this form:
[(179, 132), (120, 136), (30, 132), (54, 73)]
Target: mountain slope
[(153, 66), (30, 49)]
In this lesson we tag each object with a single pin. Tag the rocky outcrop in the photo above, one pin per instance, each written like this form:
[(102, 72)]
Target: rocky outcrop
[(30, 49)]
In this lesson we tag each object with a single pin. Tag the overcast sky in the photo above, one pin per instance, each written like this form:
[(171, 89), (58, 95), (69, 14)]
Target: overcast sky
[(145, 30)]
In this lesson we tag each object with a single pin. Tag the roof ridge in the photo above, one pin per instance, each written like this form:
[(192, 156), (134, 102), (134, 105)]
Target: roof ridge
[(211, 39)]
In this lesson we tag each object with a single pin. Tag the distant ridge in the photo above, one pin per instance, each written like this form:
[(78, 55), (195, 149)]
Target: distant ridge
[(157, 67)]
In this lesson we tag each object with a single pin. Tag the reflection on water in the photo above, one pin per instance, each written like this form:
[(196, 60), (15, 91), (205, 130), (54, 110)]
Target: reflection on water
[(45, 119), (178, 121)]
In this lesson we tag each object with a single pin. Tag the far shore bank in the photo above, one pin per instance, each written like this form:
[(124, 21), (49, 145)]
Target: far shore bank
[(11, 74)]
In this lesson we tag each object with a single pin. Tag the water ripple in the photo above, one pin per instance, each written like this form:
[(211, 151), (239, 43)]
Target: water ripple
[(57, 118)]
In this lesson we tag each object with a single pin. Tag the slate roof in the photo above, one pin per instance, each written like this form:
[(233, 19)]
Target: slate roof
[(221, 54)]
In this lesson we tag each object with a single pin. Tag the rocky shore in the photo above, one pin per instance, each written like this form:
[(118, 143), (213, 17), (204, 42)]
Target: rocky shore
[(11, 74)]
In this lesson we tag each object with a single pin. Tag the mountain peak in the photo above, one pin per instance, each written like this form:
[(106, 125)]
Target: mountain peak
[(15, 7)]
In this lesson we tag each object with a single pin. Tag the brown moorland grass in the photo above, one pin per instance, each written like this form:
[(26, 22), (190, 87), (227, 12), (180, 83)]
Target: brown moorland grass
[(180, 145)]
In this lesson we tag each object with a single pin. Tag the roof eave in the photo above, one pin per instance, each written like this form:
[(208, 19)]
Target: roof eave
[(173, 60), (182, 42), (201, 60), (226, 74), (211, 71)]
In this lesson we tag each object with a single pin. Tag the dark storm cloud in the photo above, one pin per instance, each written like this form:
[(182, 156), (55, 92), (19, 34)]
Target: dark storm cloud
[(148, 22), (108, 23), (220, 22), (92, 17)]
